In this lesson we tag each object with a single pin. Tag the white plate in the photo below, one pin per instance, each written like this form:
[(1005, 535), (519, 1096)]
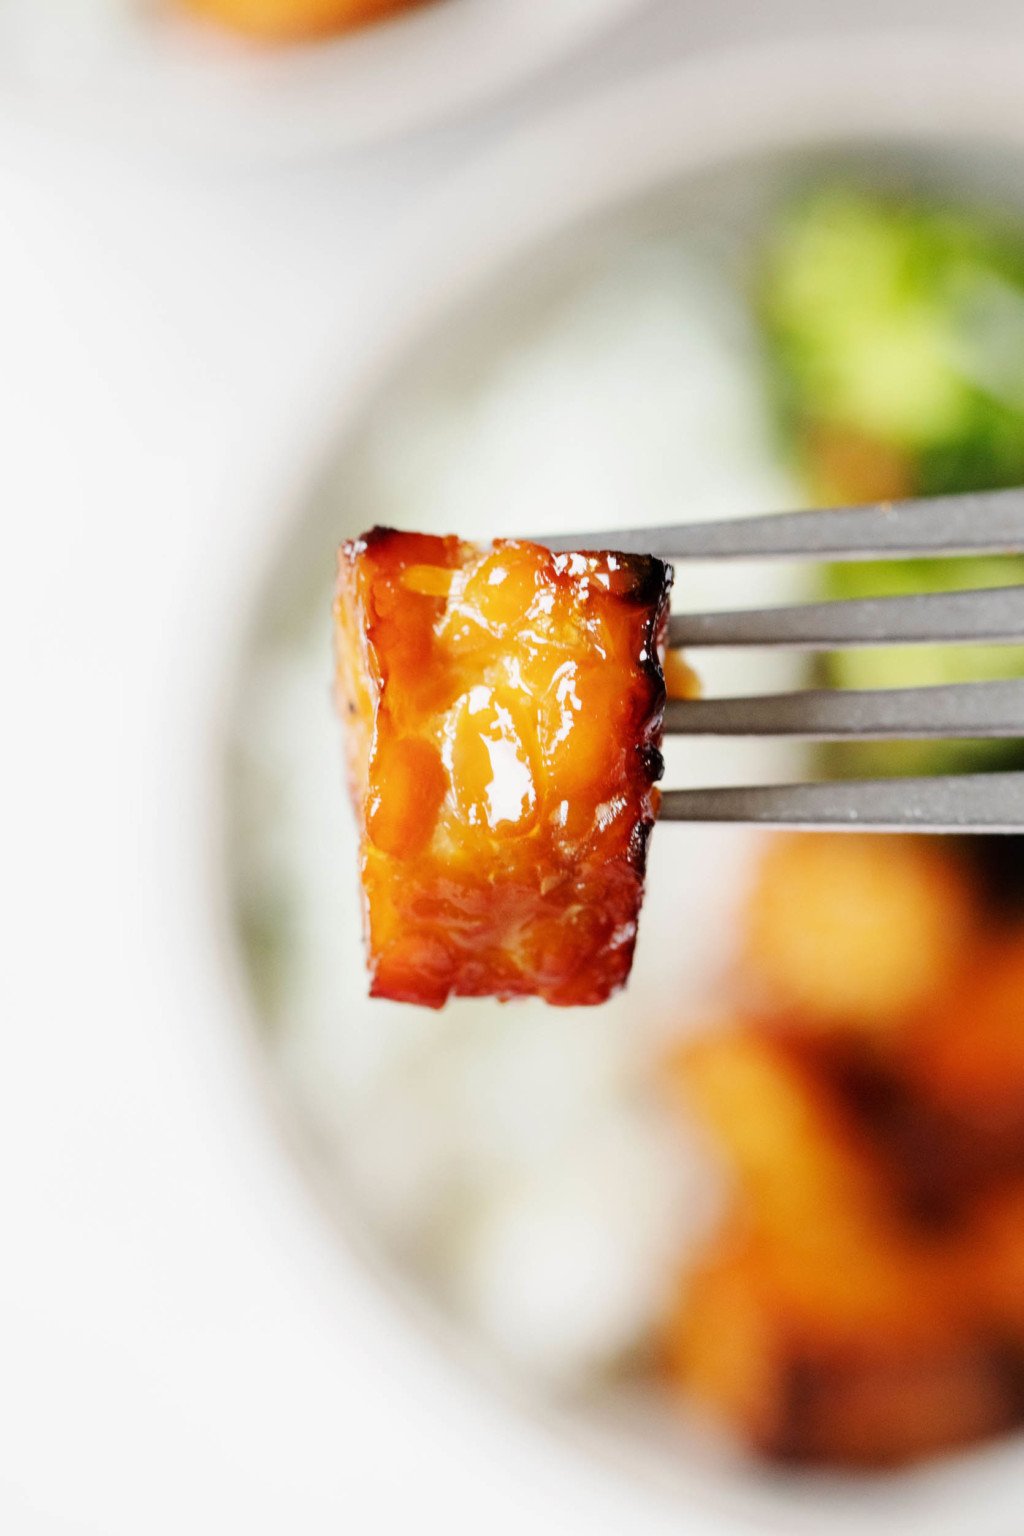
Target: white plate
[(941, 101), (123, 64)]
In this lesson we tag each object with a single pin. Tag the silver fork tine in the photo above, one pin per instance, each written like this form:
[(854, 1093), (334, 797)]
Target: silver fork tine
[(987, 522), (992, 616), (980, 802), (953, 711)]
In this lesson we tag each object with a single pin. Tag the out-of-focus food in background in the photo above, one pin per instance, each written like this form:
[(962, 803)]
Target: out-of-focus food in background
[(291, 20), (894, 921), (896, 329), (895, 335), (861, 1303)]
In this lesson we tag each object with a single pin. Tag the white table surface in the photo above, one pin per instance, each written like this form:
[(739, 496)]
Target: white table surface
[(181, 1347)]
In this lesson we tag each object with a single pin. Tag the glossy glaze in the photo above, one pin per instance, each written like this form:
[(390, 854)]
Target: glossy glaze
[(504, 710)]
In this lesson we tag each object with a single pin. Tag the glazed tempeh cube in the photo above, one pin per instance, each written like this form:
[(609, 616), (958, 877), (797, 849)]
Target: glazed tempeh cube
[(504, 711)]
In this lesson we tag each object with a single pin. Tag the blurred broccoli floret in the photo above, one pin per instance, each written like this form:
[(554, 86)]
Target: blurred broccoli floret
[(895, 332)]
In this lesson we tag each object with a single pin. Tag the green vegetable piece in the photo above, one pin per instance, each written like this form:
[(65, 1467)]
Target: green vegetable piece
[(895, 338), (896, 329)]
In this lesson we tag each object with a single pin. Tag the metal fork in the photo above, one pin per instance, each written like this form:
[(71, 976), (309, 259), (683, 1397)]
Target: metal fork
[(984, 523)]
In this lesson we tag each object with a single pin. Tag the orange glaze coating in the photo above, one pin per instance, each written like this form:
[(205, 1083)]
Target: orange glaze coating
[(293, 20), (504, 712)]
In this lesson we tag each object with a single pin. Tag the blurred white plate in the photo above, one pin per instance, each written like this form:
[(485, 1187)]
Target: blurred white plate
[(132, 64), (947, 109)]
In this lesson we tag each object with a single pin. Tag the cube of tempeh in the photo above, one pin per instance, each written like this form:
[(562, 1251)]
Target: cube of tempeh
[(504, 712)]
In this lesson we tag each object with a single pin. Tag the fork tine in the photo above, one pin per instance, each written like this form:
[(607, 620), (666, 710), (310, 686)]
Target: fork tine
[(987, 522), (954, 710), (990, 522), (993, 616), (981, 802)]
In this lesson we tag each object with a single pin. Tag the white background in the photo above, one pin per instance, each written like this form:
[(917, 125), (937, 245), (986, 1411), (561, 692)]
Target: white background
[(181, 1347)]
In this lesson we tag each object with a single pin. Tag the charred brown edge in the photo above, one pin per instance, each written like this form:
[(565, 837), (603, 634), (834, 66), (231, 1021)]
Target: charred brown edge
[(652, 591), (377, 537)]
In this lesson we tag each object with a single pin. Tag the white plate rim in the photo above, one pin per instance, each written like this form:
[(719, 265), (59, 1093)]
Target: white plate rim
[(182, 85)]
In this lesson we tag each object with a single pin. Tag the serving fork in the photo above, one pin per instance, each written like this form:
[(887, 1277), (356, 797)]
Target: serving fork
[(989, 523)]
